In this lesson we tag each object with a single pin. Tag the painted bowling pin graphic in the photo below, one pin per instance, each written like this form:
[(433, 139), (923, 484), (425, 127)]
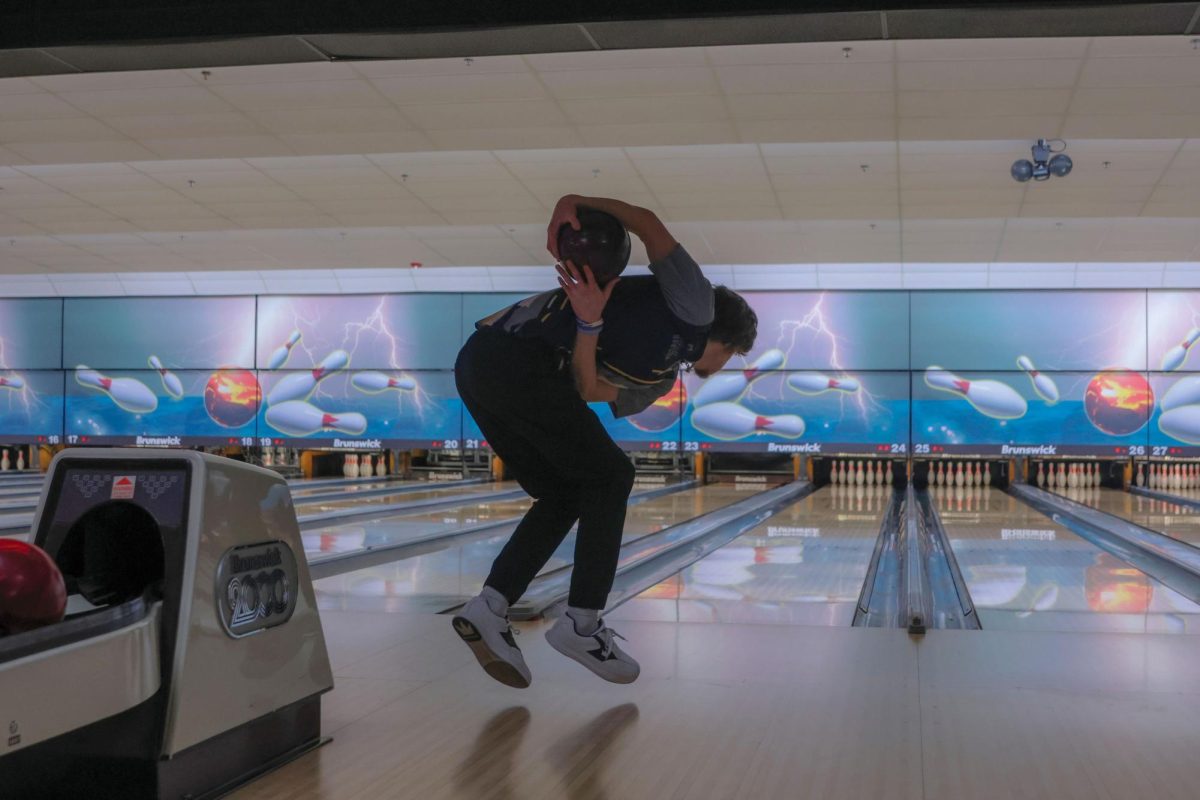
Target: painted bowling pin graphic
[(816, 383), (12, 382), (991, 398), (280, 356), (129, 394), (730, 386), (1042, 384), (376, 382), (300, 385), (731, 421), (1182, 423), (170, 380), (298, 418), (1183, 392), (1174, 358)]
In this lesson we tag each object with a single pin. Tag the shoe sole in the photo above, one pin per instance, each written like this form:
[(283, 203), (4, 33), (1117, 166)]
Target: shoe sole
[(492, 664), (583, 663)]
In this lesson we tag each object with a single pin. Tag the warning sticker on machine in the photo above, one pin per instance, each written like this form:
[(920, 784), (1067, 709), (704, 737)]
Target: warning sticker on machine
[(123, 486)]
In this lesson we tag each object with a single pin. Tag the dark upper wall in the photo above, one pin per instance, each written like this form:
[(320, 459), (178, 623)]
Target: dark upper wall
[(57, 36)]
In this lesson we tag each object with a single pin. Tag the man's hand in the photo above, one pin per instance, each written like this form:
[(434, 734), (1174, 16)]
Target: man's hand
[(564, 212), (587, 298)]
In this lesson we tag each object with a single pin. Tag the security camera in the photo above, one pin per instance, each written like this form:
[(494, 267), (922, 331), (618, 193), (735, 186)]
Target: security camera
[(1046, 162)]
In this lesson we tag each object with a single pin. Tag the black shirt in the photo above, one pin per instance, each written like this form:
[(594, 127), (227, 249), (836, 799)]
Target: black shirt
[(651, 324)]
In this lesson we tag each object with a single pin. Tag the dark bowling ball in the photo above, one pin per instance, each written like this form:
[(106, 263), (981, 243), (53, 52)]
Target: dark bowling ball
[(601, 242), (32, 591)]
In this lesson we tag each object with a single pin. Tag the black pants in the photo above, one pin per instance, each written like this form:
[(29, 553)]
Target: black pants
[(534, 419)]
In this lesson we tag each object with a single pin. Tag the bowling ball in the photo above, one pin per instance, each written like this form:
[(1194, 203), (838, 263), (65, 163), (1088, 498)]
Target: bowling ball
[(232, 397), (601, 243), (32, 590), (1118, 401), (663, 412)]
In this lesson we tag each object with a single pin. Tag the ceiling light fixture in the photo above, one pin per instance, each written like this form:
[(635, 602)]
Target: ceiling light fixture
[(1047, 161)]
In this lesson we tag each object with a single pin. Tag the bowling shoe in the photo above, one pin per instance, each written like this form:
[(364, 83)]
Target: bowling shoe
[(490, 638), (598, 651)]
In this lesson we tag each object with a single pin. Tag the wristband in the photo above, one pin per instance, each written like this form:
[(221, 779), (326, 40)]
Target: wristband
[(589, 327)]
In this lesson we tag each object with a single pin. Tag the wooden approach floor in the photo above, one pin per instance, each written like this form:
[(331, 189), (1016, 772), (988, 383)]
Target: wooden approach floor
[(756, 712)]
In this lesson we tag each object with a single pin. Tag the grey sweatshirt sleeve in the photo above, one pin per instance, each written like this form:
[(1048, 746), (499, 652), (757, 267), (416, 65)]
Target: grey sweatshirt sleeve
[(638, 399), (688, 293)]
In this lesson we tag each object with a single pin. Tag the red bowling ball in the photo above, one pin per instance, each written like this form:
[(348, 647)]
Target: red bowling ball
[(32, 591)]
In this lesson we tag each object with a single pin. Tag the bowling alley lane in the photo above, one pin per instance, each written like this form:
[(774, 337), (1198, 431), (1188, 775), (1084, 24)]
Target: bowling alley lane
[(301, 489), (399, 528), (434, 491), (802, 566), (440, 580), (1026, 572), (1173, 519)]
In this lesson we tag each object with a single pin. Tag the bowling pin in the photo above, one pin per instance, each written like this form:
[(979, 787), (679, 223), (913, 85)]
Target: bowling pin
[(1182, 423), (1042, 384), (987, 474), (991, 398), (1062, 475), (128, 393), (300, 385), (941, 474), (268, 457), (817, 383), (354, 465), (12, 382), (280, 356), (298, 418), (732, 385), (1137, 475), (1173, 359), (381, 466), (1183, 392), (21, 460), (1040, 480), (731, 421), (5, 464), (960, 478), (346, 465), (887, 473), (376, 382), (170, 380), (860, 475)]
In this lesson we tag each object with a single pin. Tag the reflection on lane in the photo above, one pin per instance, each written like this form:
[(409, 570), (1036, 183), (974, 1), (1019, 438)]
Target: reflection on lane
[(300, 490), (803, 566), (435, 581), (394, 529), (466, 492), (1175, 520), (1027, 572)]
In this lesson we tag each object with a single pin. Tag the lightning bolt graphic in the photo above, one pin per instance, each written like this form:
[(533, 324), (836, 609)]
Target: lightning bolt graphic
[(816, 324)]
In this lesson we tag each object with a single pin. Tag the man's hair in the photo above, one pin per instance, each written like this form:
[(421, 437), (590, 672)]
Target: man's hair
[(734, 321)]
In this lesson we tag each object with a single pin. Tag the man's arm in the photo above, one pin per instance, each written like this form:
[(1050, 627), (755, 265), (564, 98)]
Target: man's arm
[(583, 365), (641, 222), (687, 292)]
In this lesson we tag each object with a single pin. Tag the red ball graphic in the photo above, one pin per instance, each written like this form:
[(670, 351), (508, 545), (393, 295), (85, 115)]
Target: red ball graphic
[(1118, 401), (232, 397), (663, 412)]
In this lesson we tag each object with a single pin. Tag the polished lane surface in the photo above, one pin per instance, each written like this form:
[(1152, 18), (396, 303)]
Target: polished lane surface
[(439, 580), (802, 566), (345, 500), (1177, 521), (1027, 572)]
